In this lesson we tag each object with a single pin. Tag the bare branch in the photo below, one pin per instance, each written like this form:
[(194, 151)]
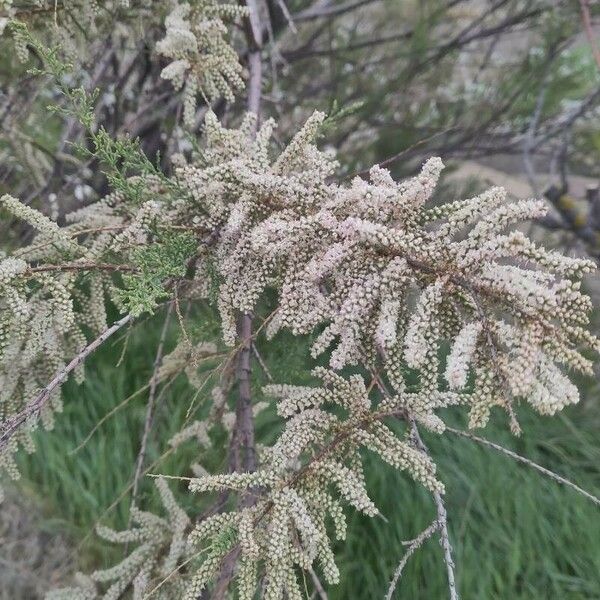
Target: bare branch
[(318, 585), (150, 407), (526, 461), (326, 10), (586, 17), (80, 266), (442, 520), (261, 362), (412, 547)]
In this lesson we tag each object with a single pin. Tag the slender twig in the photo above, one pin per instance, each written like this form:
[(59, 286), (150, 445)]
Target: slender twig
[(328, 11), (526, 461), (442, 519), (287, 15), (150, 407), (318, 585), (528, 141), (261, 362), (244, 416), (586, 17), (412, 547), (8, 427), (80, 266)]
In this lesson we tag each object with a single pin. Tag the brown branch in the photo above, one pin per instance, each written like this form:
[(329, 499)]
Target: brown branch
[(243, 413), (244, 416), (81, 266), (586, 17), (242, 447), (10, 426)]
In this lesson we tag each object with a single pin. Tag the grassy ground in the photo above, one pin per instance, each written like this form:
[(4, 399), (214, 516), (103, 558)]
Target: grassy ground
[(516, 534)]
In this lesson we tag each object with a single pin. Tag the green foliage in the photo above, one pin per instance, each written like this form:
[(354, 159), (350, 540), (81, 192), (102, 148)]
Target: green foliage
[(121, 157), (159, 262), (338, 113)]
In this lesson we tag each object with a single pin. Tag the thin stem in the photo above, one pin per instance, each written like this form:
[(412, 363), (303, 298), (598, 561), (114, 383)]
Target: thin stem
[(413, 546), (80, 266), (8, 427), (150, 408), (526, 461), (442, 520), (318, 585)]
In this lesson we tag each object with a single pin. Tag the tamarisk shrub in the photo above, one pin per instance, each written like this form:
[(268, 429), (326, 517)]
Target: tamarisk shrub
[(379, 274), (385, 279)]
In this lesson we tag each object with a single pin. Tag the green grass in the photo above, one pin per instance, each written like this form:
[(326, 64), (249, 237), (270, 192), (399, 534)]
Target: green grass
[(516, 534), (81, 480)]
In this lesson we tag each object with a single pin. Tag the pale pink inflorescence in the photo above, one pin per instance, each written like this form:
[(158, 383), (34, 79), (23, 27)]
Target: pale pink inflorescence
[(380, 275)]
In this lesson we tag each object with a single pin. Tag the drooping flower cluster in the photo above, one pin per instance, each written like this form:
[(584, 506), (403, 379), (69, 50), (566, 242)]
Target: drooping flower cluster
[(315, 463), (387, 276), (201, 58), (51, 300), (160, 549)]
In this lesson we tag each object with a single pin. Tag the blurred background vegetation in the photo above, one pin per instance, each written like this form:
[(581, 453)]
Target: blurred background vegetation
[(507, 92)]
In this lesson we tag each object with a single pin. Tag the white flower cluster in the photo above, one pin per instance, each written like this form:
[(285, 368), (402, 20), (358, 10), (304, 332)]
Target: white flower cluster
[(383, 277), (38, 334), (389, 277), (161, 547), (49, 231), (286, 528), (201, 58), (461, 355), (44, 316)]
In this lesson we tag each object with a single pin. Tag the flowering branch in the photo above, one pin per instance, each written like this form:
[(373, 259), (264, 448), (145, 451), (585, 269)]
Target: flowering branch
[(11, 425)]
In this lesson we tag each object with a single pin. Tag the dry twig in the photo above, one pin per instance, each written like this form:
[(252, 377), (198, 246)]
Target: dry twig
[(10, 426), (526, 461), (413, 545)]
